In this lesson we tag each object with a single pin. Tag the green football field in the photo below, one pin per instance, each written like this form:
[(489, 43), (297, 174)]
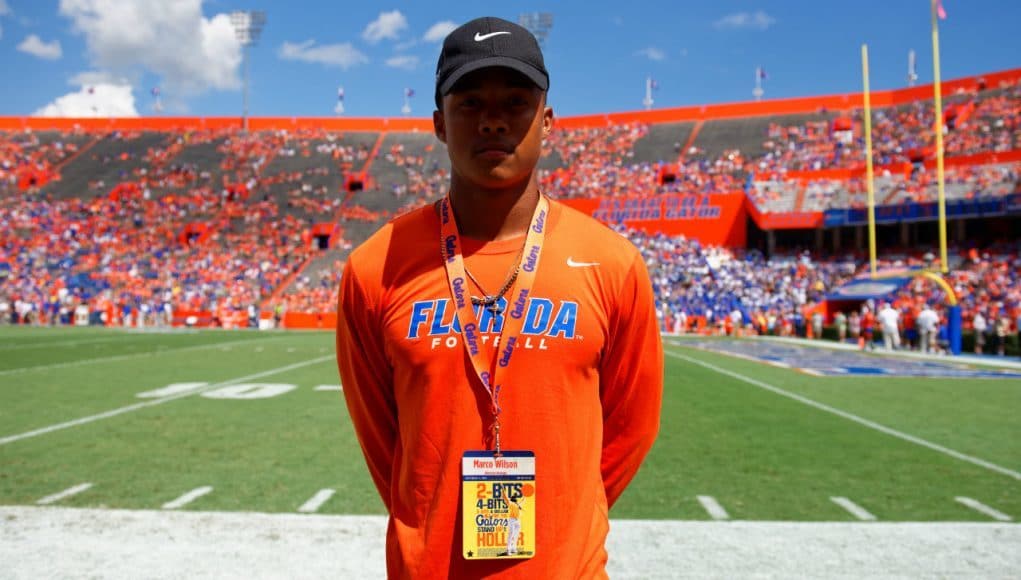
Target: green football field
[(254, 421)]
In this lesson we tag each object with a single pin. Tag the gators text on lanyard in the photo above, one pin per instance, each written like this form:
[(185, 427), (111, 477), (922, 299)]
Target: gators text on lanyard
[(498, 487)]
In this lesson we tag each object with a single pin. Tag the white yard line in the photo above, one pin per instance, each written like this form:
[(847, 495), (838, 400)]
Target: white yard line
[(137, 406), (852, 417), (74, 342), (89, 361), (128, 544), (317, 501), (188, 497), (855, 509), (963, 358), (64, 494), (713, 507), (983, 508), (328, 388)]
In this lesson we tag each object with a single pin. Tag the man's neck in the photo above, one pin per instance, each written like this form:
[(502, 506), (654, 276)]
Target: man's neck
[(494, 214)]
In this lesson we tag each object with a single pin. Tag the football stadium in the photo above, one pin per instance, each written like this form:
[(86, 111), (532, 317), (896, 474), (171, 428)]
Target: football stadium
[(837, 282)]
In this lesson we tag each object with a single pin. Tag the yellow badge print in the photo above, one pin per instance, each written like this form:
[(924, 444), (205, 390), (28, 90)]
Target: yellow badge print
[(499, 505)]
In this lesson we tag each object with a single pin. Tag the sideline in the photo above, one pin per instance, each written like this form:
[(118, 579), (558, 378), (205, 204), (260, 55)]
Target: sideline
[(126, 544), (154, 402), (964, 358), (70, 342), (851, 417), (157, 352)]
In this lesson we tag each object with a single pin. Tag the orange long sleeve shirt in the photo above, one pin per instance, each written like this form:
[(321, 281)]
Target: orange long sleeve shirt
[(583, 390)]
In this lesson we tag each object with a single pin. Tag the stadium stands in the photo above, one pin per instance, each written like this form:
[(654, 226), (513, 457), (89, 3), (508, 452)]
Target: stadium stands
[(138, 223)]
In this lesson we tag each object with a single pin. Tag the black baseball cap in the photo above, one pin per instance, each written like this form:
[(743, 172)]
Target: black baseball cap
[(486, 42)]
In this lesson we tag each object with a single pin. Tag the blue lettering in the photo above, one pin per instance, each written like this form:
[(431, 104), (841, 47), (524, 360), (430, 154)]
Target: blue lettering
[(458, 285), (419, 316), (565, 321), (540, 222), (437, 327), (519, 304), (537, 319), (508, 350), (450, 246), (541, 317), (531, 261), (455, 323), (471, 338)]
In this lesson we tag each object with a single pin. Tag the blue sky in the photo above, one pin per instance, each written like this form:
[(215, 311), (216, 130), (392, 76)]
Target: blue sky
[(88, 57)]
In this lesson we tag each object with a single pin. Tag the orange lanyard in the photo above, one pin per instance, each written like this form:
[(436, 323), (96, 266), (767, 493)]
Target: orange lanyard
[(453, 261)]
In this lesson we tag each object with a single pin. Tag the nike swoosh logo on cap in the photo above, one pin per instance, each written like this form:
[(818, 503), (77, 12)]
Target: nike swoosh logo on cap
[(481, 37)]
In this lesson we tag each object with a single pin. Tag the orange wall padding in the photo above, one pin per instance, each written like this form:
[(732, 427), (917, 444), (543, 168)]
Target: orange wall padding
[(324, 321), (405, 124), (717, 218)]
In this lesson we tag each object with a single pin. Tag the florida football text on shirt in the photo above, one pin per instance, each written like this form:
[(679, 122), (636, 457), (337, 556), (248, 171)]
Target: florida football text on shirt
[(543, 318)]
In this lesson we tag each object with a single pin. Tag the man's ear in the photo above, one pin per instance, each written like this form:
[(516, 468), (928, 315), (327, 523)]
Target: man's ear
[(439, 126), (547, 121)]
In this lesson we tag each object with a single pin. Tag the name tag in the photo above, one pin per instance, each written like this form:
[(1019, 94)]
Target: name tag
[(498, 496)]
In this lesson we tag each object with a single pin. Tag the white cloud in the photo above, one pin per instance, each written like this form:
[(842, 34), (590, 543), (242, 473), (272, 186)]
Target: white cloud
[(100, 100), (388, 25), (651, 53), (344, 55), (757, 20), (173, 40), (437, 32), (36, 47), (405, 62)]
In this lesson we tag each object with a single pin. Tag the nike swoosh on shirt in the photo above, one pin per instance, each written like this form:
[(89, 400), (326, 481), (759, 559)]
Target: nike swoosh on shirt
[(573, 264), (481, 37)]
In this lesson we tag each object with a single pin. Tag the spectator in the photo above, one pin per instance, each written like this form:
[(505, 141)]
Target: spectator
[(928, 326), (1002, 332), (978, 324), (889, 319)]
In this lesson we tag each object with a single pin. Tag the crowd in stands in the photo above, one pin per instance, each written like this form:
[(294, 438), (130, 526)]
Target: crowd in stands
[(168, 236), (133, 253), (912, 185), (426, 181), (719, 290), (599, 162), (27, 160), (126, 257), (974, 122), (316, 293)]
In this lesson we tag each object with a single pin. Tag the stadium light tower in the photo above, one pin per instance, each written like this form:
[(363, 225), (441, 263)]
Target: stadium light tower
[(539, 24), (757, 92), (912, 75), (247, 28)]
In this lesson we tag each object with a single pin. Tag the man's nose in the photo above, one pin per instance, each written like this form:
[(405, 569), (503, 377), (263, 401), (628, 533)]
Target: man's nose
[(493, 120)]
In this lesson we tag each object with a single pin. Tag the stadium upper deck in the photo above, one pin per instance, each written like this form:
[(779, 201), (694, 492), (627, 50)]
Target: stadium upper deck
[(119, 204)]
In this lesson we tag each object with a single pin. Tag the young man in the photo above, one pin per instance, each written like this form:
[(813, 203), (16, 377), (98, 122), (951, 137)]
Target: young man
[(498, 324)]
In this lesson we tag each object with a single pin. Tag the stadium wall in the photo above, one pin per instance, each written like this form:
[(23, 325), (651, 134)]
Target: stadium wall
[(718, 218), (403, 124)]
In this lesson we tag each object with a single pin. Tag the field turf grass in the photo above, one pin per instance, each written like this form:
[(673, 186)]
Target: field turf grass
[(761, 455)]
